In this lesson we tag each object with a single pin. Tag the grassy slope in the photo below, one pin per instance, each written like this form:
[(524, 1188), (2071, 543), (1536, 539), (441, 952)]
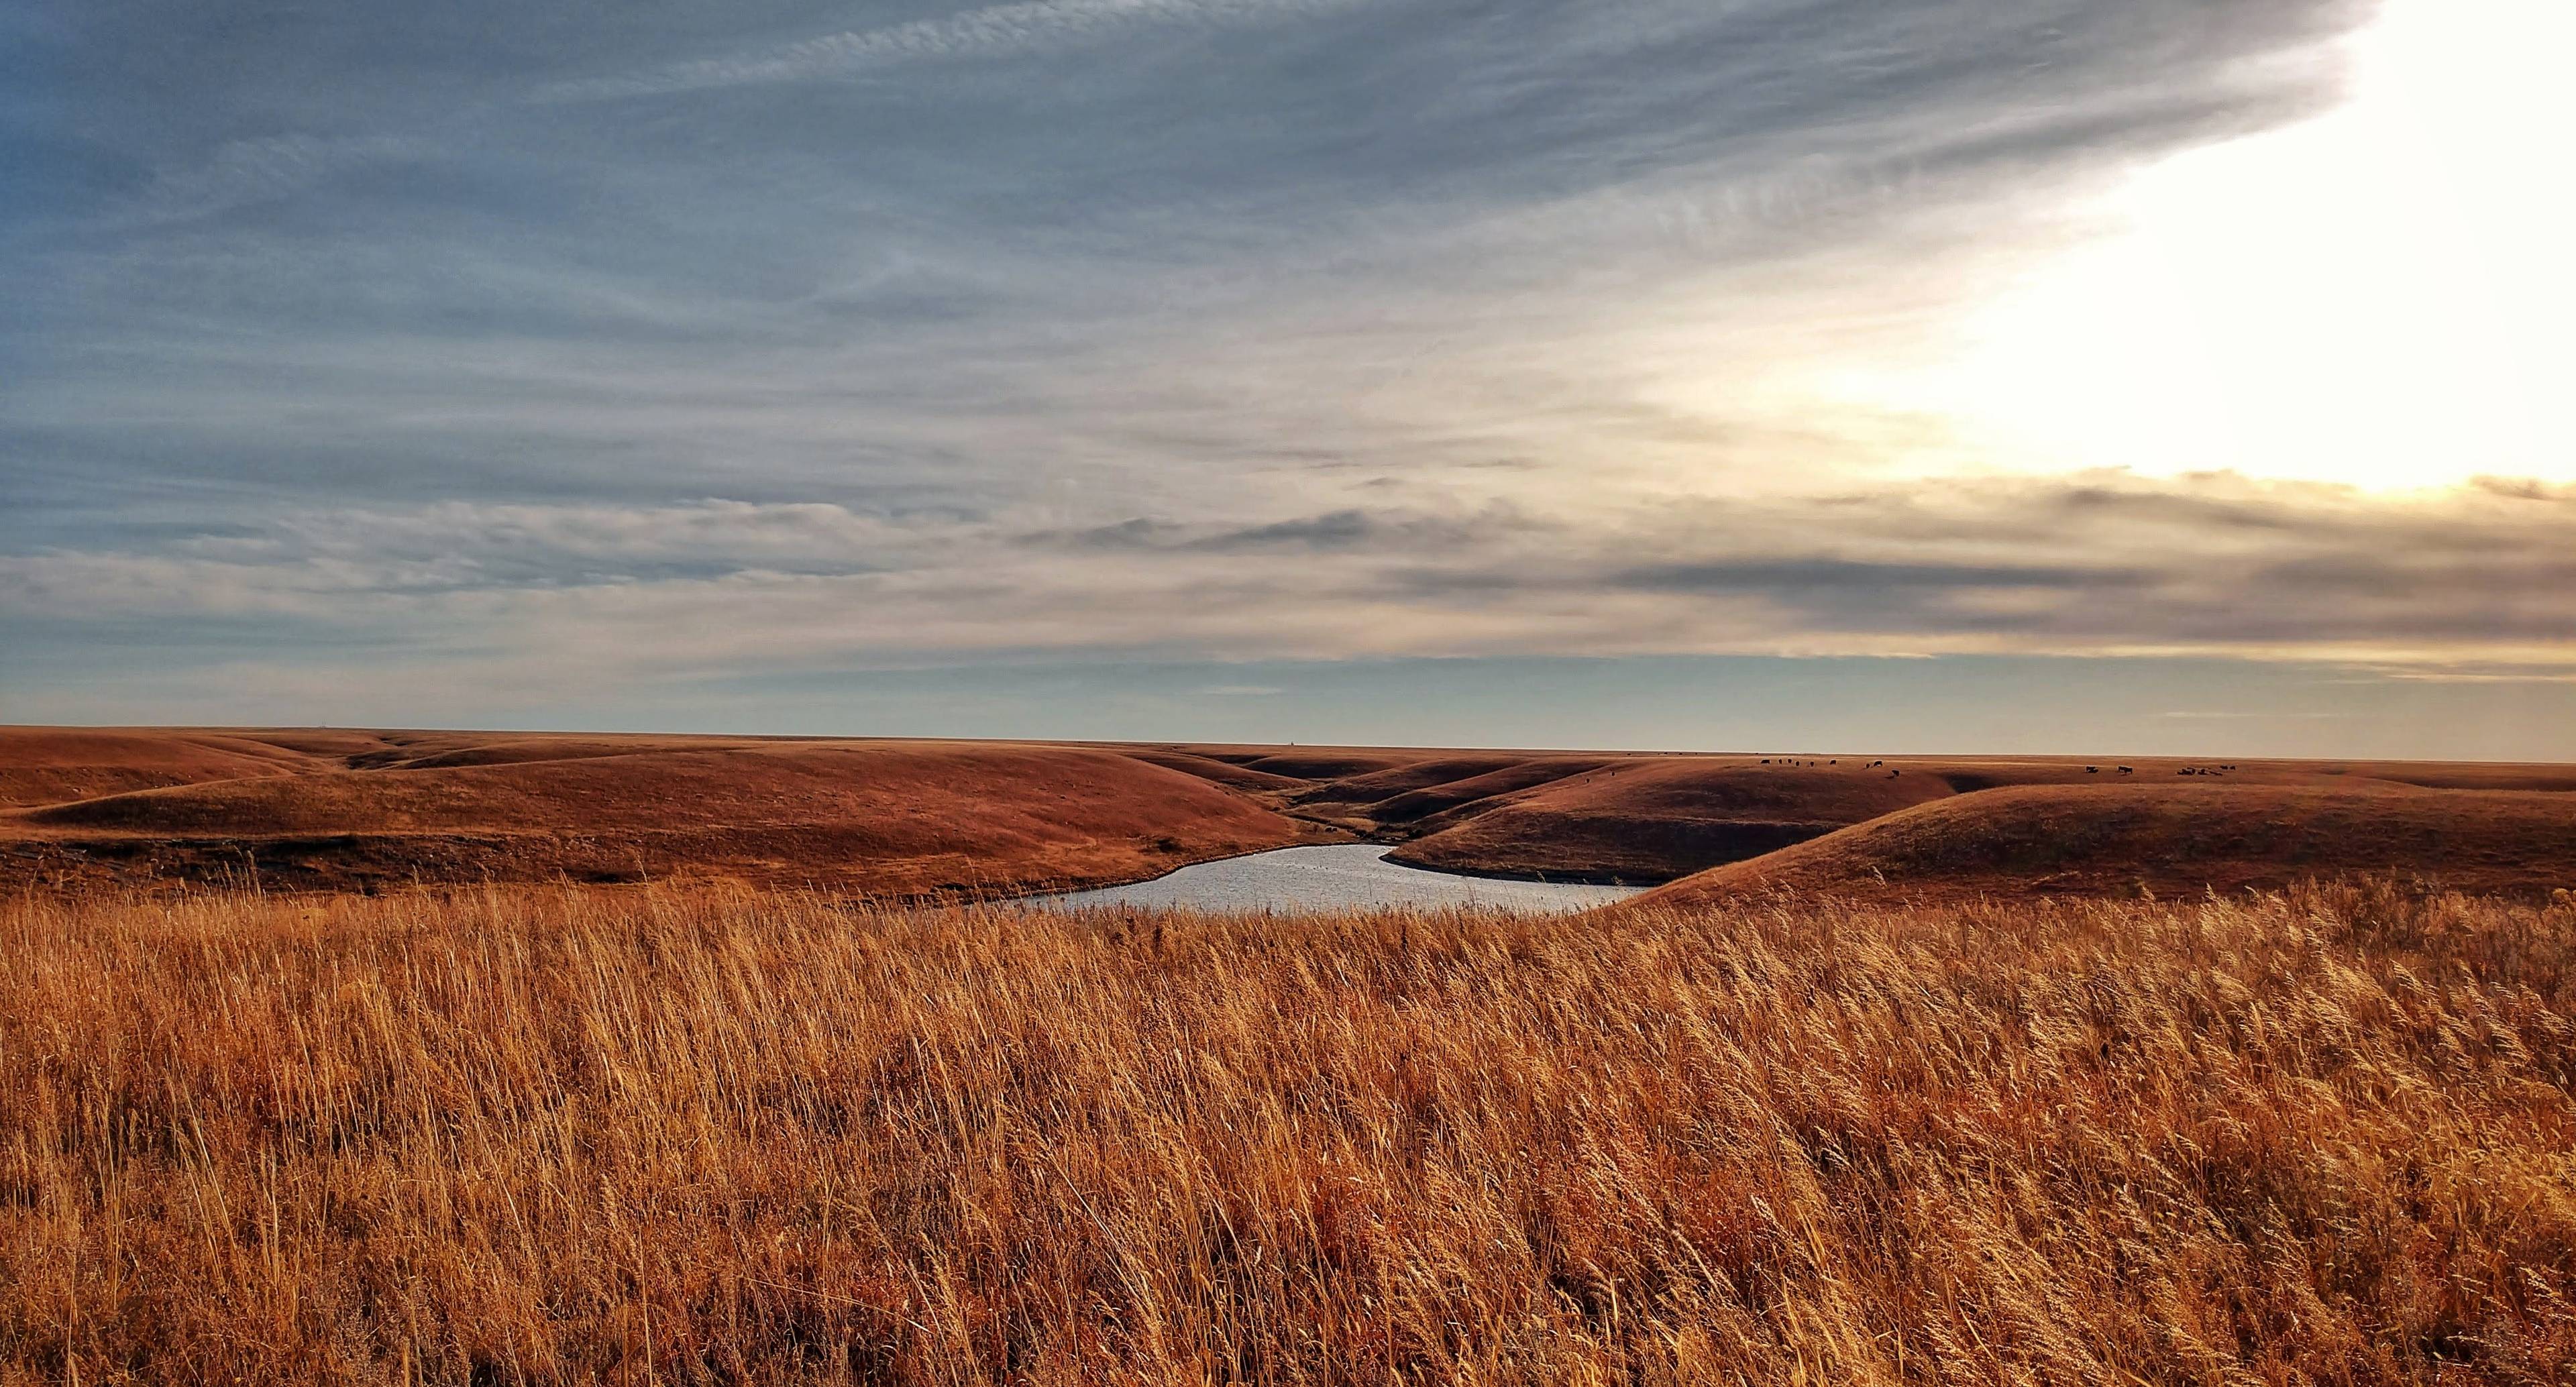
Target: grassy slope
[(45, 765), (1644, 820), (713, 1136), (896, 817), (2175, 839), (339, 808)]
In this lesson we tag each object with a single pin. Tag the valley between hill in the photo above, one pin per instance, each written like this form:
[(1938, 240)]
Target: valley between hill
[(343, 810)]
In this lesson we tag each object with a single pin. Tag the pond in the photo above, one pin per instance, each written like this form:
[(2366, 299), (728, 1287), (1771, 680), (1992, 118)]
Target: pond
[(1337, 876)]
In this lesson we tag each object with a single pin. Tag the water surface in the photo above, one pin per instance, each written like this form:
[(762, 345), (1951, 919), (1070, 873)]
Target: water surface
[(1336, 876)]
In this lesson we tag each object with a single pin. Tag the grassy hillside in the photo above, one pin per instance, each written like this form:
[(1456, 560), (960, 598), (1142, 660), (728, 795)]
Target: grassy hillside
[(2170, 839), (1643, 820), (712, 1135), (895, 817), (46, 765), (337, 809)]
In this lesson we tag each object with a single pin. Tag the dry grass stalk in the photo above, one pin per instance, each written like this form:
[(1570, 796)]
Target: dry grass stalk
[(715, 1136)]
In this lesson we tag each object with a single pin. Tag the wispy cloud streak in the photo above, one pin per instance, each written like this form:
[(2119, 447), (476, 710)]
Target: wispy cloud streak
[(243, 172), (1029, 27), (2099, 567)]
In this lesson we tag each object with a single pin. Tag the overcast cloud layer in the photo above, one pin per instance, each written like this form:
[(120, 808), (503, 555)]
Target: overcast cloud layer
[(431, 351)]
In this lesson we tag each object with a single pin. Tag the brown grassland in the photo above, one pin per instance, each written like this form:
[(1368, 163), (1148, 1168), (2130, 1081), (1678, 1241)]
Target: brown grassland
[(2170, 839), (84, 810), (722, 1135)]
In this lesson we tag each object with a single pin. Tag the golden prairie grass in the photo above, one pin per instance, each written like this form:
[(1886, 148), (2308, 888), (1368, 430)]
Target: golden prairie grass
[(708, 1136)]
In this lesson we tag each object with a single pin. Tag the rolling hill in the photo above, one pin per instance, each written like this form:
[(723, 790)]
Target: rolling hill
[(906, 818), (336, 809), (2169, 840)]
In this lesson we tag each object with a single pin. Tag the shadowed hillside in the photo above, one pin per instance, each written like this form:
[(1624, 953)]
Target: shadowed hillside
[(887, 816), (1643, 818), (1638, 820), (2172, 839), (46, 765)]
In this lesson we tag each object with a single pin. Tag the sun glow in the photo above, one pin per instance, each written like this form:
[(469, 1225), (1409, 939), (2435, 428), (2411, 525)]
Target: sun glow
[(2380, 296)]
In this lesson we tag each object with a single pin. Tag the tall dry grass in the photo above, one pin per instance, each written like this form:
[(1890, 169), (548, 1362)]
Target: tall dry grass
[(730, 1137)]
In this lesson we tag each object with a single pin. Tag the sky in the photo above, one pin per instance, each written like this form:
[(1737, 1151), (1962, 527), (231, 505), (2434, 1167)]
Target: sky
[(1899, 375)]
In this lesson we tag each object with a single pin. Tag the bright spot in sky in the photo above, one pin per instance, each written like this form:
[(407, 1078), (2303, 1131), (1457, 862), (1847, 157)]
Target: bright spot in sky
[(2380, 296)]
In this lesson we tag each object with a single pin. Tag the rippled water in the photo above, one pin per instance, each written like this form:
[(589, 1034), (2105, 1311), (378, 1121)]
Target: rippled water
[(1335, 876)]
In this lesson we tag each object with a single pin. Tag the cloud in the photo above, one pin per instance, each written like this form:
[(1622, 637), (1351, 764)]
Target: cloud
[(2473, 675), (321, 564), (1341, 529), (1034, 26), (1834, 576), (1216, 328), (2243, 715), (2103, 567), (1347, 529), (244, 172)]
